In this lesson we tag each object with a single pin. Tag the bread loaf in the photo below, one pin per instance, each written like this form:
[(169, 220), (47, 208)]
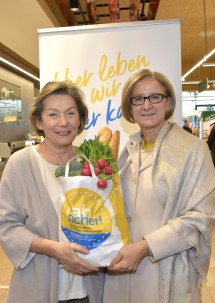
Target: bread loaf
[(114, 144), (106, 137)]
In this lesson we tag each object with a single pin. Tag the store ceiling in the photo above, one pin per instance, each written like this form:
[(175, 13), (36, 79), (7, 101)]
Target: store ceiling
[(20, 20)]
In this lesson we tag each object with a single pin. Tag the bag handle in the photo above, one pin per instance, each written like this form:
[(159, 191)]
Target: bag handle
[(74, 158)]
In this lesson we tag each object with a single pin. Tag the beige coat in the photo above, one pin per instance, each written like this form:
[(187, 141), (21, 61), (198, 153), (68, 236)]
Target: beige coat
[(183, 179)]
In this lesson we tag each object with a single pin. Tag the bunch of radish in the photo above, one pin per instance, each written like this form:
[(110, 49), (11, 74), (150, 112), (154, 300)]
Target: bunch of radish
[(102, 169), (102, 159)]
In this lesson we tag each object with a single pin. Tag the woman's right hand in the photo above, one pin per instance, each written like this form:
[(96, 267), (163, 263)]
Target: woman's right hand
[(65, 253)]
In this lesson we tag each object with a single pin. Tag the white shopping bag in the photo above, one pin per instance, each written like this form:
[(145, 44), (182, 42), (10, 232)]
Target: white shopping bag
[(93, 217)]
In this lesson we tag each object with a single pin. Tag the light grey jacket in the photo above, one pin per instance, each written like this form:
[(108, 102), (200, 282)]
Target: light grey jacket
[(27, 212), (184, 180)]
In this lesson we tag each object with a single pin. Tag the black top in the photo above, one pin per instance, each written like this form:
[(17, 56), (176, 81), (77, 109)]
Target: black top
[(188, 129), (211, 143)]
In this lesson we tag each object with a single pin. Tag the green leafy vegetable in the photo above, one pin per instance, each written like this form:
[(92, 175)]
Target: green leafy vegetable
[(95, 150)]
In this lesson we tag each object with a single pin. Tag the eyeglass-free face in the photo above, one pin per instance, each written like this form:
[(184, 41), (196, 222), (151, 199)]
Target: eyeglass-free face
[(60, 121), (155, 98), (148, 115)]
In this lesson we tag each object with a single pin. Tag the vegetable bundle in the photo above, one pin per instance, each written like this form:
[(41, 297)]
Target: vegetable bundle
[(101, 153)]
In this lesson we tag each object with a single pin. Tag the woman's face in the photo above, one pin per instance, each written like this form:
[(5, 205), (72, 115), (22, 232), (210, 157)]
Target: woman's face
[(149, 116), (60, 120)]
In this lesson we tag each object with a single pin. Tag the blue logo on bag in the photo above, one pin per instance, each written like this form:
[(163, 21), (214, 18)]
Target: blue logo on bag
[(85, 219)]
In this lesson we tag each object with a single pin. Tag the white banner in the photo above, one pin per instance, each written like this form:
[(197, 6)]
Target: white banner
[(100, 58)]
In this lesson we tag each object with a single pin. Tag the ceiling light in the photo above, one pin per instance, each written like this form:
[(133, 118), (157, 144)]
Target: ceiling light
[(19, 69), (212, 82), (207, 64), (74, 5), (190, 82), (198, 64)]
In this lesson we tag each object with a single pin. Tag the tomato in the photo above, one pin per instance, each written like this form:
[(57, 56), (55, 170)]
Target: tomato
[(102, 184), (86, 165), (97, 171), (106, 164), (86, 172), (108, 170), (101, 163)]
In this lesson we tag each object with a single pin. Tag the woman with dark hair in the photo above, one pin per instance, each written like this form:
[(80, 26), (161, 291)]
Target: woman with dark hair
[(167, 178), (45, 270)]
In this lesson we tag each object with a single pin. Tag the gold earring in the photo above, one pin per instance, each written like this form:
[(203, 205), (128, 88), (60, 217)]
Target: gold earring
[(167, 114)]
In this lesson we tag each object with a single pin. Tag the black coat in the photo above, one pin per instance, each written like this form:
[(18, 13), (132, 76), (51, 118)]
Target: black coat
[(211, 143)]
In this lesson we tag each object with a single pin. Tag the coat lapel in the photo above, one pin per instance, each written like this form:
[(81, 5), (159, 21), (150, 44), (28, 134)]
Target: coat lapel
[(51, 216)]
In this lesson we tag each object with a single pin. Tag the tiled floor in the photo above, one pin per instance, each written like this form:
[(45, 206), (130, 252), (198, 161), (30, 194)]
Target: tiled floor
[(208, 290)]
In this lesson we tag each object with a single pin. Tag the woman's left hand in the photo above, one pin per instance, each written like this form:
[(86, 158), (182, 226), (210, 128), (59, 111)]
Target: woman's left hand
[(129, 257)]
